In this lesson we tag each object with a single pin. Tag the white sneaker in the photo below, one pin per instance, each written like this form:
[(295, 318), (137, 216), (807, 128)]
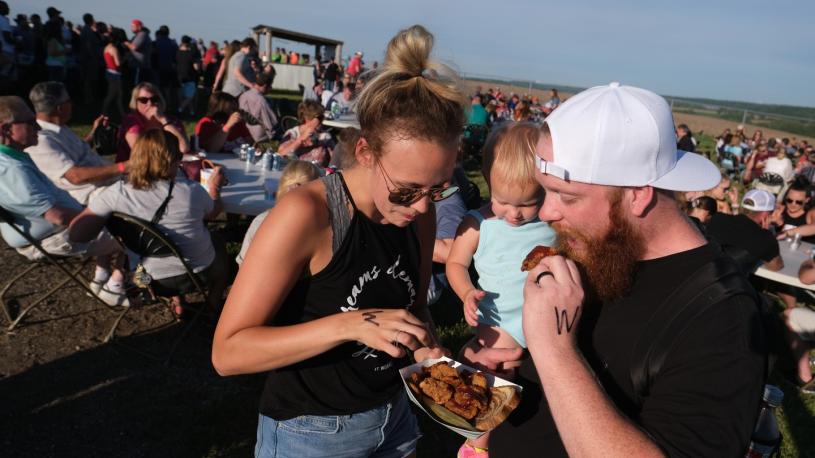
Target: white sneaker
[(113, 298), (95, 286)]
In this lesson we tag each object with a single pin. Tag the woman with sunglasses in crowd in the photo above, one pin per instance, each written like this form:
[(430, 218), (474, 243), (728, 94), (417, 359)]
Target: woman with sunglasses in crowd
[(148, 113), (331, 298), (794, 215)]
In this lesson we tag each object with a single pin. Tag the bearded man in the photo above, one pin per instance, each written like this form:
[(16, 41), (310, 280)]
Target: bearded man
[(608, 161)]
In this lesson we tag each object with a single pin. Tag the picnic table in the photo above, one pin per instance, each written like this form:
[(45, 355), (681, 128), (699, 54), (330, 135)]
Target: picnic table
[(246, 192), (792, 261)]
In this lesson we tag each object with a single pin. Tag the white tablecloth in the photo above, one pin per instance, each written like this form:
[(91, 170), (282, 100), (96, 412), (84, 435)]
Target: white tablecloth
[(792, 261), (245, 192)]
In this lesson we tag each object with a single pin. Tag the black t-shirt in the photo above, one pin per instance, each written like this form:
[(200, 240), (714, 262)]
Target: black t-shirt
[(184, 60), (331, 72), (705, 400), (686, 144), (742, 232)]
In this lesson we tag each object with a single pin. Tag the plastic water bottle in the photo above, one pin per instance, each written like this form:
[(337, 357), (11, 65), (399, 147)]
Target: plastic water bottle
[(243, 153), (766, 438), (796, 242)]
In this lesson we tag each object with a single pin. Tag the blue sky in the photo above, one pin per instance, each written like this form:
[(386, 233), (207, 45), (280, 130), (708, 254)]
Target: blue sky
[(751, 50)]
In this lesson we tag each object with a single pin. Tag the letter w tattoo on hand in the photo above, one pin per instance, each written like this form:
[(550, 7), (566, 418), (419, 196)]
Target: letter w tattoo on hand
[(370, 317), (562, 317)]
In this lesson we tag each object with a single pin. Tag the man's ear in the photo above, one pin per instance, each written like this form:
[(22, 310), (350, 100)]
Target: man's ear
[(640, 199), (363, 153)]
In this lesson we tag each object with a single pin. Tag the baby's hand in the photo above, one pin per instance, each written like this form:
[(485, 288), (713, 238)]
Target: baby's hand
[(471, 306)]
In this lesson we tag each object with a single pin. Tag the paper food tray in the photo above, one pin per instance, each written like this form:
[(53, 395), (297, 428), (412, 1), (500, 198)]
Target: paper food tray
[(491, 379)]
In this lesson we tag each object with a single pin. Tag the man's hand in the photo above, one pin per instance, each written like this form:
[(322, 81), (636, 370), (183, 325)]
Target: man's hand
[(553, 302)]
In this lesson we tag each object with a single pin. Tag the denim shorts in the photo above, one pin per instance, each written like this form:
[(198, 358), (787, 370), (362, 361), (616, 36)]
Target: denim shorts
[(387, 431)]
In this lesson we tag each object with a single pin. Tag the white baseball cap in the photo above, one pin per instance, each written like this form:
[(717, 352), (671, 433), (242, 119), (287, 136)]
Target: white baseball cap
[(758, 200), (618, 135)]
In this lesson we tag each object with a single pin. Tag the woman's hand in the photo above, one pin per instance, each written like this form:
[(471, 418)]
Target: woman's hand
[(430, 353), (387, 330), (471, 300), (233, 119)]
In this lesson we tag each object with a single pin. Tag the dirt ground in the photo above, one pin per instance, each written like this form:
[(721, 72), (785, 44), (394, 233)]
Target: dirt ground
[(63, 392)]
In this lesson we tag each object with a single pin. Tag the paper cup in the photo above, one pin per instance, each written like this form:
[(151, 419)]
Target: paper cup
[(491, 379), (205, 174)]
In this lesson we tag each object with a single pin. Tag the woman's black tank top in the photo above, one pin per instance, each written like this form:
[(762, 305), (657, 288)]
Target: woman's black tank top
[(374, 266), (798, 221)]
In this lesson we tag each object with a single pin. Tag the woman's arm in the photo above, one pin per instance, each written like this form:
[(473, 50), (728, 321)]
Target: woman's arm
[(427, 235), (215, 142), (458, 265), (86, 226), (295, 237)]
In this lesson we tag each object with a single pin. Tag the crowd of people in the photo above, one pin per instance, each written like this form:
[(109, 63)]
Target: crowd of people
[(360, 256)]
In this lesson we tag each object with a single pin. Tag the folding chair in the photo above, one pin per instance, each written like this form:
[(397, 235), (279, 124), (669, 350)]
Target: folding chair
[(71, 267), (145, 239), (287, 122)]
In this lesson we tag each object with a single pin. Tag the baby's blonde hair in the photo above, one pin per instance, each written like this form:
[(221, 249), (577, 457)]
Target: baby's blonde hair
[(296, 173), (509, 154)]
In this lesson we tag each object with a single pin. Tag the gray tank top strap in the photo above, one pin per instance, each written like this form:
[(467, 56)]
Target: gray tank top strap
[(338, 212)]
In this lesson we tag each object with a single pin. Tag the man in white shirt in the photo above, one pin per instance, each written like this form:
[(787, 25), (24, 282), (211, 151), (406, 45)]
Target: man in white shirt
[(60, 154)]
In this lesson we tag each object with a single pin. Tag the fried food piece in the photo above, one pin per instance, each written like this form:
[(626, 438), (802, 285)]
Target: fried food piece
[(439, 391), (441, 370), (478, 379), (414, 381), (535, 256), (466, 395), (467, 411)]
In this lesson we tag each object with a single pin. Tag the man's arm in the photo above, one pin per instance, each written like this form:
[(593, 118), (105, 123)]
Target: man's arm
[(775, 264), (60, 216), (587, 421), (78, 175), (240, 76)]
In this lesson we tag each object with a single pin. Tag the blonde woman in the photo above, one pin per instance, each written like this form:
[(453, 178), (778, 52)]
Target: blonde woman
[(295, 174), (331, 299), (152, 180)]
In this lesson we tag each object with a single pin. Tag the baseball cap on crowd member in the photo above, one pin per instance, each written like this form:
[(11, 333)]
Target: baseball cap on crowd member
[(758, 200), (136, 23), (619, 135), (52, 12)]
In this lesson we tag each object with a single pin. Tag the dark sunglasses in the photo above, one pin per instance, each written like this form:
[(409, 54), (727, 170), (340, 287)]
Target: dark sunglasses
[(407, 196), (154, 100), (793, 201)]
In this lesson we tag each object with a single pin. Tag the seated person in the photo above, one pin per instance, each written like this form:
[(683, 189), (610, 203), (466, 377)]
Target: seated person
[(342, 156), (701, 209), (794, 216), (154, 177), (255, 103), (746, 236), (307, 141), (222, 129), (800, 323), (342, 104), (67, 160), (44, 210), (148, 107), (295, 174)]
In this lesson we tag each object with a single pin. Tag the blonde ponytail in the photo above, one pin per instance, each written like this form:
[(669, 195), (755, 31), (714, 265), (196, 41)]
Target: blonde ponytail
[(411, 95)]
